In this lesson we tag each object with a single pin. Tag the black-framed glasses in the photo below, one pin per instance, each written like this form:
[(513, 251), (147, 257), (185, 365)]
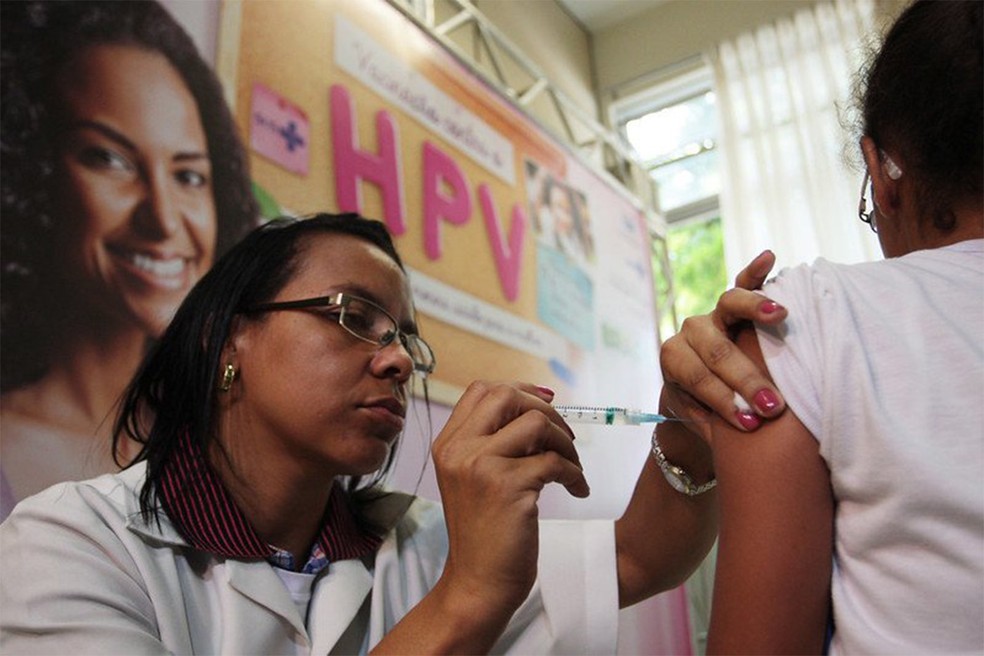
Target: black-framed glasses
[(365, 320), (863, 214)]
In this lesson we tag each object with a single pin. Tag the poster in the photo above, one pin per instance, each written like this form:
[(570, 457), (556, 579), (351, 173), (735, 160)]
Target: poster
[(525, 263)]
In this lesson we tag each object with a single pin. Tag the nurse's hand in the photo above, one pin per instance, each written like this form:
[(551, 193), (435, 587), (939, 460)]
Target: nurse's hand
[(705, 368), (502, 444)]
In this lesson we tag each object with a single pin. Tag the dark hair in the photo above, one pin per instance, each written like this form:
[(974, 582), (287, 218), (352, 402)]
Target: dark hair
[(922, 97), (39, 39), (173, 393)]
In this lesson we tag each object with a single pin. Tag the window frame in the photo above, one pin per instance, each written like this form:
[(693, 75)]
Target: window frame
[(681, 87), (693, 81)]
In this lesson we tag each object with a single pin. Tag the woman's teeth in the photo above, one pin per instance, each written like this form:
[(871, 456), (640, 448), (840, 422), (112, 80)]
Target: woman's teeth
[(164, 268)]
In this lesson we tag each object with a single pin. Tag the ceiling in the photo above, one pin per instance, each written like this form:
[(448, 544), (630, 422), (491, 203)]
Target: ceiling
[(597, 15)]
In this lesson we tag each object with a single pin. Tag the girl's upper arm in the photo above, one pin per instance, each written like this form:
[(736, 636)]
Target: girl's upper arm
[(772, 580)]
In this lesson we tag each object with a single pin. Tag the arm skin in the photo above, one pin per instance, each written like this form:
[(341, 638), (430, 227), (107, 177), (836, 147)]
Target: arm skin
[(772, 582), (664, 535)]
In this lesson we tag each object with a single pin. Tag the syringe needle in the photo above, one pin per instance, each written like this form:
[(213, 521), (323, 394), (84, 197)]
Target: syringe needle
[(646, 417)]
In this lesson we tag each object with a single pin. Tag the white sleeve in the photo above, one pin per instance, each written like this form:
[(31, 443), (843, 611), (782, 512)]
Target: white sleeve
[(573, 607), (69, 584), (793, 349)]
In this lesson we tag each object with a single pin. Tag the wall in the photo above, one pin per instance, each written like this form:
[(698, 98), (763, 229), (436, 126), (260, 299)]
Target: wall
[(639, 50), (672, 32), (549, 37)]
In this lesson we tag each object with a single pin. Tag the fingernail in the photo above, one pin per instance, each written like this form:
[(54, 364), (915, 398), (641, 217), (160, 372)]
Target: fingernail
[(768, 307), (766, 400), (748, 420), (761, 269), (546, 390)]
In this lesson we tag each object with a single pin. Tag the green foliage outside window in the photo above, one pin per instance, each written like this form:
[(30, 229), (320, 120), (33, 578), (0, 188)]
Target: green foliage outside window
[(696, 254)]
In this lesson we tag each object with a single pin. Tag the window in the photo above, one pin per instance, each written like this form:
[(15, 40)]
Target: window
[(677, 145), (673, 129)]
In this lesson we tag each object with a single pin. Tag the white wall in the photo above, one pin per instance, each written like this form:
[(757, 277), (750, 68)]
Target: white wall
[(674, 31)]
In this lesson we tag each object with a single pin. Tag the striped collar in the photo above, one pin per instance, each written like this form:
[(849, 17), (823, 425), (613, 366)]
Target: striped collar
[(205, 514)]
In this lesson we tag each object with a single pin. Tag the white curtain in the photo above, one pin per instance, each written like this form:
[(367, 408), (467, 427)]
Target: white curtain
[(782, 90)]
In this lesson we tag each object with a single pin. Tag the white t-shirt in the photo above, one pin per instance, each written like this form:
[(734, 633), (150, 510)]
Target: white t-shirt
[(883, 362)]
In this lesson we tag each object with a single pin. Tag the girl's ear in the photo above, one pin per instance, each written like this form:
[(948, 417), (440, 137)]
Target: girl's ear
[(885, 174)]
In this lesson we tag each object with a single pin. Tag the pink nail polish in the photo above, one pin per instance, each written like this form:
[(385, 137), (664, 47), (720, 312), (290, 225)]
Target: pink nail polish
[(761, 269), (546, 390), (768, 307), (766, 400), (748, 420)]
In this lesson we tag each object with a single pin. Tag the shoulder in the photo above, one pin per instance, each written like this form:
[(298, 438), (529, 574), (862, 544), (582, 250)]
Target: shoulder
[(100, 506), (963, 260), (68, 524), (805, 280), (107, 495), (887, 290), (824, 291), (69, 553)]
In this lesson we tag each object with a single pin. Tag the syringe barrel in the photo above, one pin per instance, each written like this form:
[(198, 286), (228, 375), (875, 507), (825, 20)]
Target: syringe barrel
[(594, 415)]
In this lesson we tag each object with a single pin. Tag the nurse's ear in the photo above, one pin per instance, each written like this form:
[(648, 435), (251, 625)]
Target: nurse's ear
[(230, 369)]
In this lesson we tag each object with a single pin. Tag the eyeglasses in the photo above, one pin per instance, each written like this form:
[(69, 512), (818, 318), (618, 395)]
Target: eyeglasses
[(865, 216), (892, 171), (365, 320)]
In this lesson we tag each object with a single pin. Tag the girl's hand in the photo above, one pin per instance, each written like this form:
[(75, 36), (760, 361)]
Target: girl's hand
[(704, 366)]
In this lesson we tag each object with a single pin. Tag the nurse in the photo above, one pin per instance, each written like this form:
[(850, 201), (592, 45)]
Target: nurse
[(122, 177), (255, 520)]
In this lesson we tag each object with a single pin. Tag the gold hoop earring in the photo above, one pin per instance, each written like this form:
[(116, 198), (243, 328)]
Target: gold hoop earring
[(228, 375)]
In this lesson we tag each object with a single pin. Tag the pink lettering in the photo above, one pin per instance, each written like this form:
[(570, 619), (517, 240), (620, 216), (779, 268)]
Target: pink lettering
[(445, 197), (352, 165), (508, 256)]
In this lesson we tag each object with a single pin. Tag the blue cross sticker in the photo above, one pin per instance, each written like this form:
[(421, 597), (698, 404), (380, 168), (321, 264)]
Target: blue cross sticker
[(290, 135)]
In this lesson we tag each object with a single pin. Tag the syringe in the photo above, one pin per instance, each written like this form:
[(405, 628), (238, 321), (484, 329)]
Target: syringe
[(608, 416)]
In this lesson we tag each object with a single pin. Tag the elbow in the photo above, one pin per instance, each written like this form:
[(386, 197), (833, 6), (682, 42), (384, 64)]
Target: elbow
[(657, 570)]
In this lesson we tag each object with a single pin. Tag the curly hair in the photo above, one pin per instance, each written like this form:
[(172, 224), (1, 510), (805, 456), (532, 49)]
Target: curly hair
[(39, 38), (934, 121)]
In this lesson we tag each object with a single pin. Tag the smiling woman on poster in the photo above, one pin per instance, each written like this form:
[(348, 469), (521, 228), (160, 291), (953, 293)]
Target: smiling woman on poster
[(123, 176)]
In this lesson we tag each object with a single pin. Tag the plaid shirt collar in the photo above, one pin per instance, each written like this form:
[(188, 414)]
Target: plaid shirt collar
[(205, 515)]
